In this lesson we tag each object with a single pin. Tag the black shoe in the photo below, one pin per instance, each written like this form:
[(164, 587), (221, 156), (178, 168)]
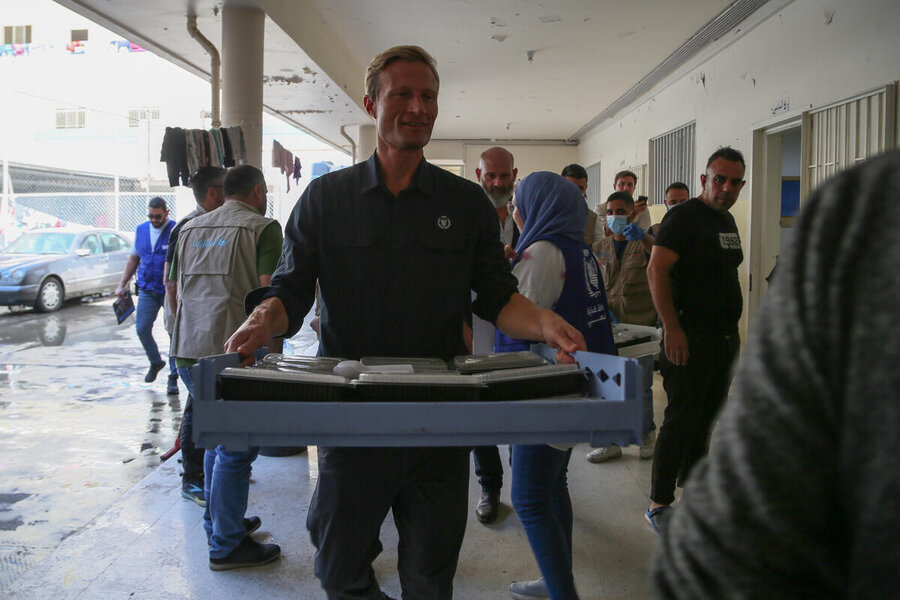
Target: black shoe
[(486, 510), (193, 492), (249, 553), (172, 386), (251, 524), (154, 369)]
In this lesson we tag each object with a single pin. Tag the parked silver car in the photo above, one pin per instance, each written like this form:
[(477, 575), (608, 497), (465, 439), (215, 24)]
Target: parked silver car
[(45, 267)]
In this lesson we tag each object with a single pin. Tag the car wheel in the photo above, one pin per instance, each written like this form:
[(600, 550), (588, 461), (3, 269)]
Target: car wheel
[(50, 295), (52, 331)]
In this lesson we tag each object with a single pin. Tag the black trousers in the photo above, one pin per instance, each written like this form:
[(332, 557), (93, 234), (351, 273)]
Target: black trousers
[(488, 468), (425, 488), (696, 392), (191, 456)]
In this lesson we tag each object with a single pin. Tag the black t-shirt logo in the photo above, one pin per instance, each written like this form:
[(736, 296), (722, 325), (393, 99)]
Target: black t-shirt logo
[(730, 241)]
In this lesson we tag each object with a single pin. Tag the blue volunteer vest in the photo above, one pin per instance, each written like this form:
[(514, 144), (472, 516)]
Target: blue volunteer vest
[(150, 269), (582, 302)]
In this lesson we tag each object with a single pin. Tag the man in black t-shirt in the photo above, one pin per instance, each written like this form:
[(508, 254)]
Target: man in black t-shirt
[(694, 282)]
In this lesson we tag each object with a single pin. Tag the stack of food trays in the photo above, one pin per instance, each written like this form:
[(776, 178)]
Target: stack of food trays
[(470, 378)]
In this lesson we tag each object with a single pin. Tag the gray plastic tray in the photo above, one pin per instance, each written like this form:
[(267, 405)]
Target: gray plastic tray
[(610, 413)]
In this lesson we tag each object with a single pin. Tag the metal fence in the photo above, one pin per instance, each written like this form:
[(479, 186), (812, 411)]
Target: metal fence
[(123, 212), (34, 196)]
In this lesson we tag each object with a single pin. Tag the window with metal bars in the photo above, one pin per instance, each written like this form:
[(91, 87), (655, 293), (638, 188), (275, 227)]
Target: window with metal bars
[(67, 118), (594, 192), (672, 158), (142, 113), (843, 134), (17, 34)]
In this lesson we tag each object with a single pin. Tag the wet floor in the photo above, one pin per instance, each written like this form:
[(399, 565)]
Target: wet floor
[(78, 425)]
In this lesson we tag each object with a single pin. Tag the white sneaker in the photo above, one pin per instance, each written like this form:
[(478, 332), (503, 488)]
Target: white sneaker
[(648, 446), (603, 454), (529, 590)]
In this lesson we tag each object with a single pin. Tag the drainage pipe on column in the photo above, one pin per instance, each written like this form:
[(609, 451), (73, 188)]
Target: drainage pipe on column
[(352, 143), (215, 65)]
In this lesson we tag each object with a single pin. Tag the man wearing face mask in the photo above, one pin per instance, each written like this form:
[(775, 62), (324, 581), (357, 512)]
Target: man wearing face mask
[(496, 172), (624, 255)]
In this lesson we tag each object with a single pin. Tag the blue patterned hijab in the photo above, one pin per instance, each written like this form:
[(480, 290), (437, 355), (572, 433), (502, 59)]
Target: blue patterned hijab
[(549, 204)]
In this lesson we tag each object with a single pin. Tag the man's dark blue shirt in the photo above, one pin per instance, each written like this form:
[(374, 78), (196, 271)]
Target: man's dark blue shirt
[(395, 272)]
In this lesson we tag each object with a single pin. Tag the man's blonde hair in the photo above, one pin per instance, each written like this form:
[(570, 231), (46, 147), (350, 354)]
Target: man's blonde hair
[(380, 63)]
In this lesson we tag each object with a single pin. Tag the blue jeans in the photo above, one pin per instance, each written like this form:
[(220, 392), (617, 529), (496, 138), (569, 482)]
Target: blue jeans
[(226, 485), (646, 363), (149, 303), (540, 495)]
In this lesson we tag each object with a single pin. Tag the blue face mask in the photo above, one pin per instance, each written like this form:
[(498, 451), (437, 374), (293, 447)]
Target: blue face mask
[(617, 223)]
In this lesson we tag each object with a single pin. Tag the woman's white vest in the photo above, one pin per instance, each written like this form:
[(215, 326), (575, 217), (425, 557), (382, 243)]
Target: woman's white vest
[(216, 269)]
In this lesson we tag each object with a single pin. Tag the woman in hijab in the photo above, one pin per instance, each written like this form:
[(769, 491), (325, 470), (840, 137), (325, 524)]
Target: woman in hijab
[(557, 270)]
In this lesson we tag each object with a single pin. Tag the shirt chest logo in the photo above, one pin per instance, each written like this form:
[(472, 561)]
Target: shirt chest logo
[(220, 243), (729, 241), (443, 222)]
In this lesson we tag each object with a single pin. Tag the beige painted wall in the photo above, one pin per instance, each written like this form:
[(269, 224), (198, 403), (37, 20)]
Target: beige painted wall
[(797, 55)]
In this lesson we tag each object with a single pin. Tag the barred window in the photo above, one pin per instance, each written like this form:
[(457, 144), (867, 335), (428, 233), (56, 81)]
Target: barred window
[(68, 118), (17, 34), (843, 134), (142, 113), (672, 158), (594, 193)]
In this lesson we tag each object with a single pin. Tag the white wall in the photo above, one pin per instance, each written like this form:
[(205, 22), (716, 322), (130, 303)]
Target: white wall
[(528, 157), (798, 56)]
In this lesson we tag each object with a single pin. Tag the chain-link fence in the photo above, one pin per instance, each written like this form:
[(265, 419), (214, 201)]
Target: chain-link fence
[(36, 196), (44, 197)]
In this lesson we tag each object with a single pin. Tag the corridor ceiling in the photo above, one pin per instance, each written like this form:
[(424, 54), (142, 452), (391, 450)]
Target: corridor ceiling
[(510, 69)]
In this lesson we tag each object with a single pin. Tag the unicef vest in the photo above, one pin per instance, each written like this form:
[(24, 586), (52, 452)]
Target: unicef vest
[(153, 260), (627, 286), (216, 269), (582, 302)]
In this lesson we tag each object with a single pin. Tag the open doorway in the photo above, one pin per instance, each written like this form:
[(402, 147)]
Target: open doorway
[(774, 210)]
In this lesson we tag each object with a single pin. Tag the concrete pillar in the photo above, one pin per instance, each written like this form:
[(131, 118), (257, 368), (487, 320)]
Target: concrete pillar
[(243, 34), (366, 145)]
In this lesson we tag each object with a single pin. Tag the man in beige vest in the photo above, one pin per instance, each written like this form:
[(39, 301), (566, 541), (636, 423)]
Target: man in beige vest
[(624, 255), (209, 192), (222, 256)]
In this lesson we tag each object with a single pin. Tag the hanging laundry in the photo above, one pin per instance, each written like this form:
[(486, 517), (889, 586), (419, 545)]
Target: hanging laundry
[(186, 150), (297, 168), (174, 154), (277, 155), (287, 168)]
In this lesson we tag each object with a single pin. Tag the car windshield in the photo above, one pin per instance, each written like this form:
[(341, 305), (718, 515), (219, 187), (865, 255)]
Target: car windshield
[(41, 243)]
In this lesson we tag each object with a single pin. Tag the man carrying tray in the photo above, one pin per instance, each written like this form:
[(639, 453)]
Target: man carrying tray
[(395, 280)]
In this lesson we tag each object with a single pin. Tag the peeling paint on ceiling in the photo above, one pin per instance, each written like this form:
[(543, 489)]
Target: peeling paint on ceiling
[(281, 79), (306, 111)]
